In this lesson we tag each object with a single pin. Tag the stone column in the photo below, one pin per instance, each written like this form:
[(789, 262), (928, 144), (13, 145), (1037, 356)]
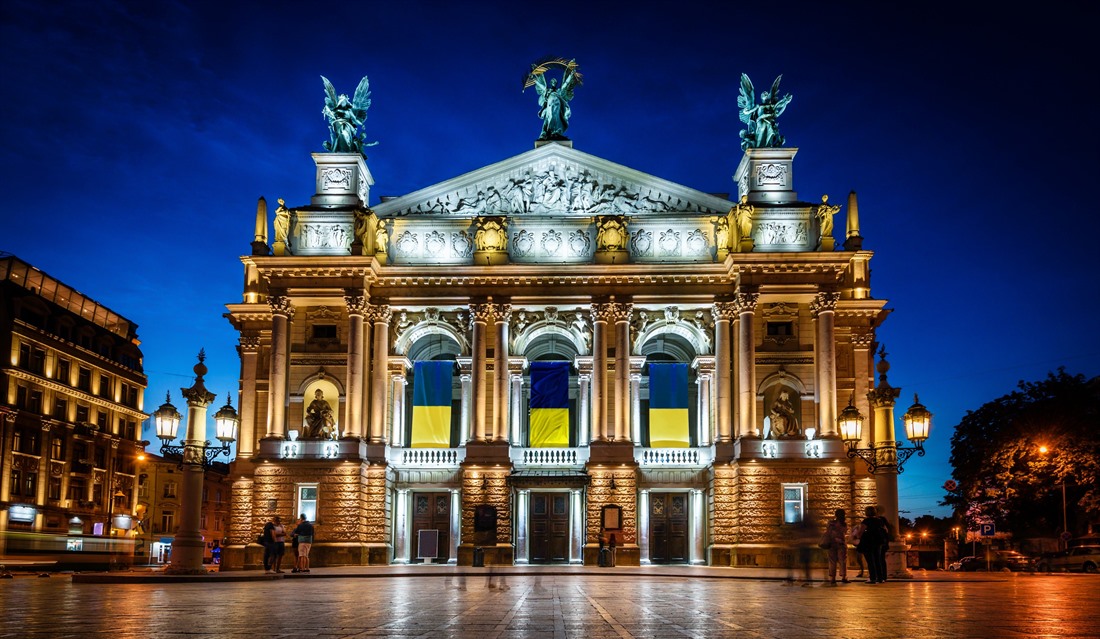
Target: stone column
[(522, 543), (576, 518), (481, 314), (466, 405), (515, 376), (249, 348), (636, 401), (746, 358), (861, 349), (398, 382), (502, 315), (281, 313), (704, 379), (724, 314), (601, 313), (380, 315), (456, 525), (643, 526), (698, 527), (584, 405), (822, 308), (357, 309), (401, 535), (622, 312)]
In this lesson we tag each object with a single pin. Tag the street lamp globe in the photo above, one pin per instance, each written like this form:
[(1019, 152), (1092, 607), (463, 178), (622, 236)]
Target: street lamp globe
[(850, 424), (225, 421), (167, 419), (918, 421)]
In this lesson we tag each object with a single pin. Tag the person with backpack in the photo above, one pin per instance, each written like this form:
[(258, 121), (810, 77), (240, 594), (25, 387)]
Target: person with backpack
[(303, 536), (872, 544)]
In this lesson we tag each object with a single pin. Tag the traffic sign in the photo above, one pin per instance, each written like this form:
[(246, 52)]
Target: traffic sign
[(988, 530)]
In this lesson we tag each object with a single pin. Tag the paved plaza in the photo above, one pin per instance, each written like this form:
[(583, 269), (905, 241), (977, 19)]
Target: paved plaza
[(551, 604)]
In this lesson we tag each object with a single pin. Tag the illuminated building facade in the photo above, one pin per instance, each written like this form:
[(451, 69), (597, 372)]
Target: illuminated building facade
[(70, 411), (706, 345), (157, 517)]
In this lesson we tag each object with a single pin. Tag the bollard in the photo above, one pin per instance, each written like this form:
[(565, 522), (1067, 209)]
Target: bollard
[(479, 557)]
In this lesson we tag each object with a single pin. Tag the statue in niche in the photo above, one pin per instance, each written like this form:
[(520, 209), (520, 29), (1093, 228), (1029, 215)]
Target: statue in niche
[(611, 235), (381, 238), (553, 99), (742, 221), (320, 420), (784, 422), (345, 117), (722, 233), (761, 130), (282, 222)]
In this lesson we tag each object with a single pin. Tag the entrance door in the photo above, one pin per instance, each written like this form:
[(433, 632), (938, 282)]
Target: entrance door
[(668, 528), (432, 511), (549, 519)]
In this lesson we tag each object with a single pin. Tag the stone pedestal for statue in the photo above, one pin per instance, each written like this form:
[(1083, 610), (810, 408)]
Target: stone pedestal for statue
[(746, 245), (279, 248), (767, 175), (611, 257), (485, 258), (343, 179), (828, 244)]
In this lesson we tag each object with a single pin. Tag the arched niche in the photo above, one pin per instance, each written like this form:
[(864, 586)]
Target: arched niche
[(331, 391), (779, 391)]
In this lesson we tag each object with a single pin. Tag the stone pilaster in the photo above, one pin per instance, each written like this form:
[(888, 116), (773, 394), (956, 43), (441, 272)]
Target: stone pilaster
[(357, 359), (380, 315), (745, 304), (823, 310), (249, 350), (481, 315), (502, 315), (724, 315), (282, 310), (601, 314), (622, 312)]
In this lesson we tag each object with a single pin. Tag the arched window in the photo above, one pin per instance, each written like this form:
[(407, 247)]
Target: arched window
[(668, 399), (434, 393)]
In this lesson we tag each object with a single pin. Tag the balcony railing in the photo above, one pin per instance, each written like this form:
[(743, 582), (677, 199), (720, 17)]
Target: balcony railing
[(549, 457), (673, 457), (427, 457)]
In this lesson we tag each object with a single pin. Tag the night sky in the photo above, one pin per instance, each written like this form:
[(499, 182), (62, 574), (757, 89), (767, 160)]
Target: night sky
[(136, 138)]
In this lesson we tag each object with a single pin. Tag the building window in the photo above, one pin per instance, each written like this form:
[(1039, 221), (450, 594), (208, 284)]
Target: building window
[(21, 397), (54, 493), (63, 372), (170, 489), (81, 414), (104, 386), (324, 331), (34, 401), (307, 501), (77, 489), (84, 379), (167, 521), (101, 420), (60, 409), (129, 395), (202, 521), (100, 457), (57, 449), (794, 503)]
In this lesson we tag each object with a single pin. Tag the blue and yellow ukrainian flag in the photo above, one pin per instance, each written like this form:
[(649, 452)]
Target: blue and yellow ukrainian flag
[(668, 406), (431, 425), (549, 417)]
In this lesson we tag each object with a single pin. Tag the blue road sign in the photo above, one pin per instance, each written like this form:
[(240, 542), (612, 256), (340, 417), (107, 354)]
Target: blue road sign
[(988, 530)]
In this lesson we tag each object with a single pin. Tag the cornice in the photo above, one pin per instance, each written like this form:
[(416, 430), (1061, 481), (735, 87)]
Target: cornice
[(75, 393)]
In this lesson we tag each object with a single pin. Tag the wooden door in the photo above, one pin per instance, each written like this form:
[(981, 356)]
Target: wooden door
[(549, 528), (432, 511), (668, 528)]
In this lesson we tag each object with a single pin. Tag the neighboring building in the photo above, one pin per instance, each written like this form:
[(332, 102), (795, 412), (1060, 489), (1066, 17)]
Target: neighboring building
[(158, 510), (70, 414), (624, 360)]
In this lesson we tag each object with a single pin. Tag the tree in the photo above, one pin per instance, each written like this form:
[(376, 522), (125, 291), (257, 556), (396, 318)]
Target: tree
[(1014, 455)]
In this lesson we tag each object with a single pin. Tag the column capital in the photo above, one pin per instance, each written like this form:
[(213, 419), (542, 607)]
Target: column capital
[(602, 312), (249, 342), (502, 313), (280, 305), (824, 302), (621, 311), (378, 313), (356, 301), (724, 311), (863, 340), (745, 302), (482, 313)]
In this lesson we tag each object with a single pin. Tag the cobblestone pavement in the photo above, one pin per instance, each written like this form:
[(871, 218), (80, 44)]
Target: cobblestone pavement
[(551, 606)]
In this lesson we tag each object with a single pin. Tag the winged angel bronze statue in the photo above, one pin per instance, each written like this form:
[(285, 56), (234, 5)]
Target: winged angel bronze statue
[(345, 117), (553, 99), (761, 129)]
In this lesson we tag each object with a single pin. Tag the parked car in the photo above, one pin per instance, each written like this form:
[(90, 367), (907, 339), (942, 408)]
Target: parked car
[(1083, 558), (999, 560), (958, 565)]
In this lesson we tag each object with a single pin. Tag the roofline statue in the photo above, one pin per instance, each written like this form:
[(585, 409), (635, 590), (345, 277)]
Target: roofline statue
[(761, 129), (345, 117), (553, 99)]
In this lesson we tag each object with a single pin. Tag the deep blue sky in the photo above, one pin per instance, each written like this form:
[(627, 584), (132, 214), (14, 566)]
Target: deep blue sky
[(137, 136)]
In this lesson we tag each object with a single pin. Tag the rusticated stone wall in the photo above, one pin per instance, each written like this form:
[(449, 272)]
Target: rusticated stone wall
[(760, 504), (376, 496), (353, 499), (625, 494), (487, 487), (723, 504), (240, 513), (864, 494)]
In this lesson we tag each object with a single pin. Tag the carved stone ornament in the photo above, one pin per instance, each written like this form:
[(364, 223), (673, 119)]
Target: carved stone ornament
[(724, 311), (823, 302), (379, 313), (462, 243), (356, 303), (502, 312), (641, 243), (336, 178), (407, 243), (492, 234), (602, 313), (621, 311), (324, 236), (280, 305), (250, 341), (482, 313), (771, 174), (793, 233), (746, 302), (322, 312), (612, 234)]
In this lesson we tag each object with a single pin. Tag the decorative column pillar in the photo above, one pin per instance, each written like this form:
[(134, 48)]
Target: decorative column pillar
[(515, 376), (636, 364), (481, 314), (522, 543), (622, 312), (601, 313), (502, 315), (584, 404), (862, 343), (704, 379), (380, 315), (576, 537), (823, 308), (643, 527), (281, 312), (456, 525), (698, 527), (466, 406), (249, 349), (724, 314), (357, 308), (401, 535), (399, 367), (882, 399), (746, 359), (188, 545)]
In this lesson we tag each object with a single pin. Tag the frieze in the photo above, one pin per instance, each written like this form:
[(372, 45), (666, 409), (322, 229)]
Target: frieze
[(336, 178), (781, 233), (779, 360), (771, 174), (641, 243), (669, 243), (316, 235), (322, 312), (318, 359)]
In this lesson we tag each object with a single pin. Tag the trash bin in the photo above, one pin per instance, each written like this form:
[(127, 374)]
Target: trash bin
[(479, 557), (605, 558)]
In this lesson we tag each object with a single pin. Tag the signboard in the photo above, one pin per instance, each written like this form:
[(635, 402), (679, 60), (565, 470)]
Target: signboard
[(485, 518), (427, 543), (987, 530)]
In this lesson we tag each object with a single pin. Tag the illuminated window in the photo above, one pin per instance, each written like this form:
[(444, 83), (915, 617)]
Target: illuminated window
[(167, 521), (307, 501), (170, 489), (794, 503), (57, 448), (54, 492)]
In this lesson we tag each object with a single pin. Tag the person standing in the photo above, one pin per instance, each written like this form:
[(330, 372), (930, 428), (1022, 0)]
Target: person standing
[(278, 536), (854, 536), (870, 544), (267, 540), (303, 533), (836, 532)]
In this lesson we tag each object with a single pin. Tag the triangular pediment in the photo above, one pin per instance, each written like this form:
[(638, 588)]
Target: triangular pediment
[(553, 180)]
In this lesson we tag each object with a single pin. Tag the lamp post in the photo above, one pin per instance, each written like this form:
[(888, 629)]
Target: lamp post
[(194, 455), (1064, 537), (884, 458)]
